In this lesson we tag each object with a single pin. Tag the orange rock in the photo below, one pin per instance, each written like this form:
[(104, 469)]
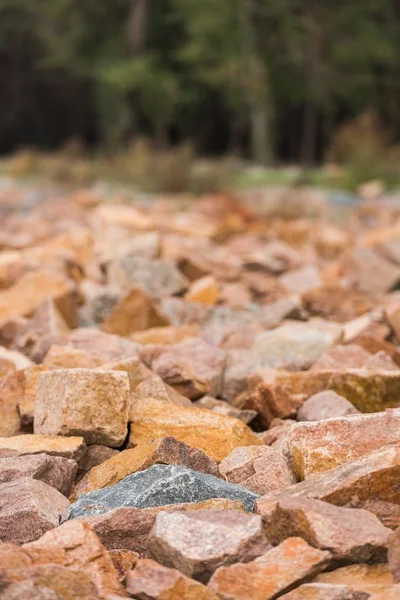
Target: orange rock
[(215, 434), (64, 357), (271, 574), (350, 485), (123, 561), (368, 391), (154, 582), (47, 581), (92, 403), (29, 292), (154, 387), (134, 312), (318, 446), (203, 290), (69, 447), (373, 579), (166, 335), (74, 544)]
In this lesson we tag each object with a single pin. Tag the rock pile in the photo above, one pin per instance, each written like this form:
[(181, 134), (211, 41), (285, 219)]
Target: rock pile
[(198, 403)]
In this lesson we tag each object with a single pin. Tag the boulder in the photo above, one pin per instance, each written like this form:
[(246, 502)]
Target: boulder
[(157, 486), (55, 471), (29, 508), (257, 468), (270, 575), (93, 404), (168, 451), (351, 535), (198, 542), (216, 435), (154, 582)]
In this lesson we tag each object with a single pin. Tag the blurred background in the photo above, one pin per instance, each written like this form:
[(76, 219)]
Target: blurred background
[(191, 93)]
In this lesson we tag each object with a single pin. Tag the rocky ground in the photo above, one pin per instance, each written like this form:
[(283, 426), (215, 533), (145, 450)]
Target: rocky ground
[(197, 403)]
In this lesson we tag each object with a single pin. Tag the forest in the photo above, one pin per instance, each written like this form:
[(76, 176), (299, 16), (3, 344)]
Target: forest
[(273, 81)]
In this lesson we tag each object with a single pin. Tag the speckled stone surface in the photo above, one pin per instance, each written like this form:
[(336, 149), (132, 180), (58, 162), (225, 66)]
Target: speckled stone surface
[(160, 485)]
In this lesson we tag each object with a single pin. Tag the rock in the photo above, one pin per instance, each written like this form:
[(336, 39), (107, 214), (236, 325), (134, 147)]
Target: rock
[(45, 321), (224, 408), (338, 304), (367, 391), (154, 582), (302, 280), (31, 290), (197, 543), (10, 394), (166, 335), (365, 270), (29, 379), (16, 358), (168, 451), (318, 446), (351, 535), (350, 485), (74, 544), (275, 432), (194, 368), (342, 357), (69, 447), (109, 347), (325, 405), (215, 434), (29, 508), (157, 486), (270, 575), (257, 468), (156, 277), (55, 471), (394, 555), (134, 312), (63, 357), (115, 527), (123, 561), (272, 401), (154, 387), (83, 402), (381, 361), (204, 290), (47, 582), (296, 345), (95, 455), (372, 579), (99, 300), (325, 591)]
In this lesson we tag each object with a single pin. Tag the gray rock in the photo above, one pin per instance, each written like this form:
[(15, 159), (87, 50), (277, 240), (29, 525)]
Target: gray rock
[(157, 486)]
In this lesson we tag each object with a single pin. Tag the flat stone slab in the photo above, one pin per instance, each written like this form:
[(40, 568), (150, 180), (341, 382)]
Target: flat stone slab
[(157, 486)]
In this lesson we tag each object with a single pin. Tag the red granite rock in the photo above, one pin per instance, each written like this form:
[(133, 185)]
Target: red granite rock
[(318, 446), (270, 575), (55, 471), (29, 508), (258, 468), (193, 368), (325, 405), (152, 581), (349, 534), (198, 542)]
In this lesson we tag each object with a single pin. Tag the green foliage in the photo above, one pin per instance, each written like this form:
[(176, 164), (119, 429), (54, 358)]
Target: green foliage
[(166, 69)]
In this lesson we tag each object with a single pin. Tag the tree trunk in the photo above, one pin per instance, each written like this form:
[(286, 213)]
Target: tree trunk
[(256, 88), (137, 25), (260, 142)]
